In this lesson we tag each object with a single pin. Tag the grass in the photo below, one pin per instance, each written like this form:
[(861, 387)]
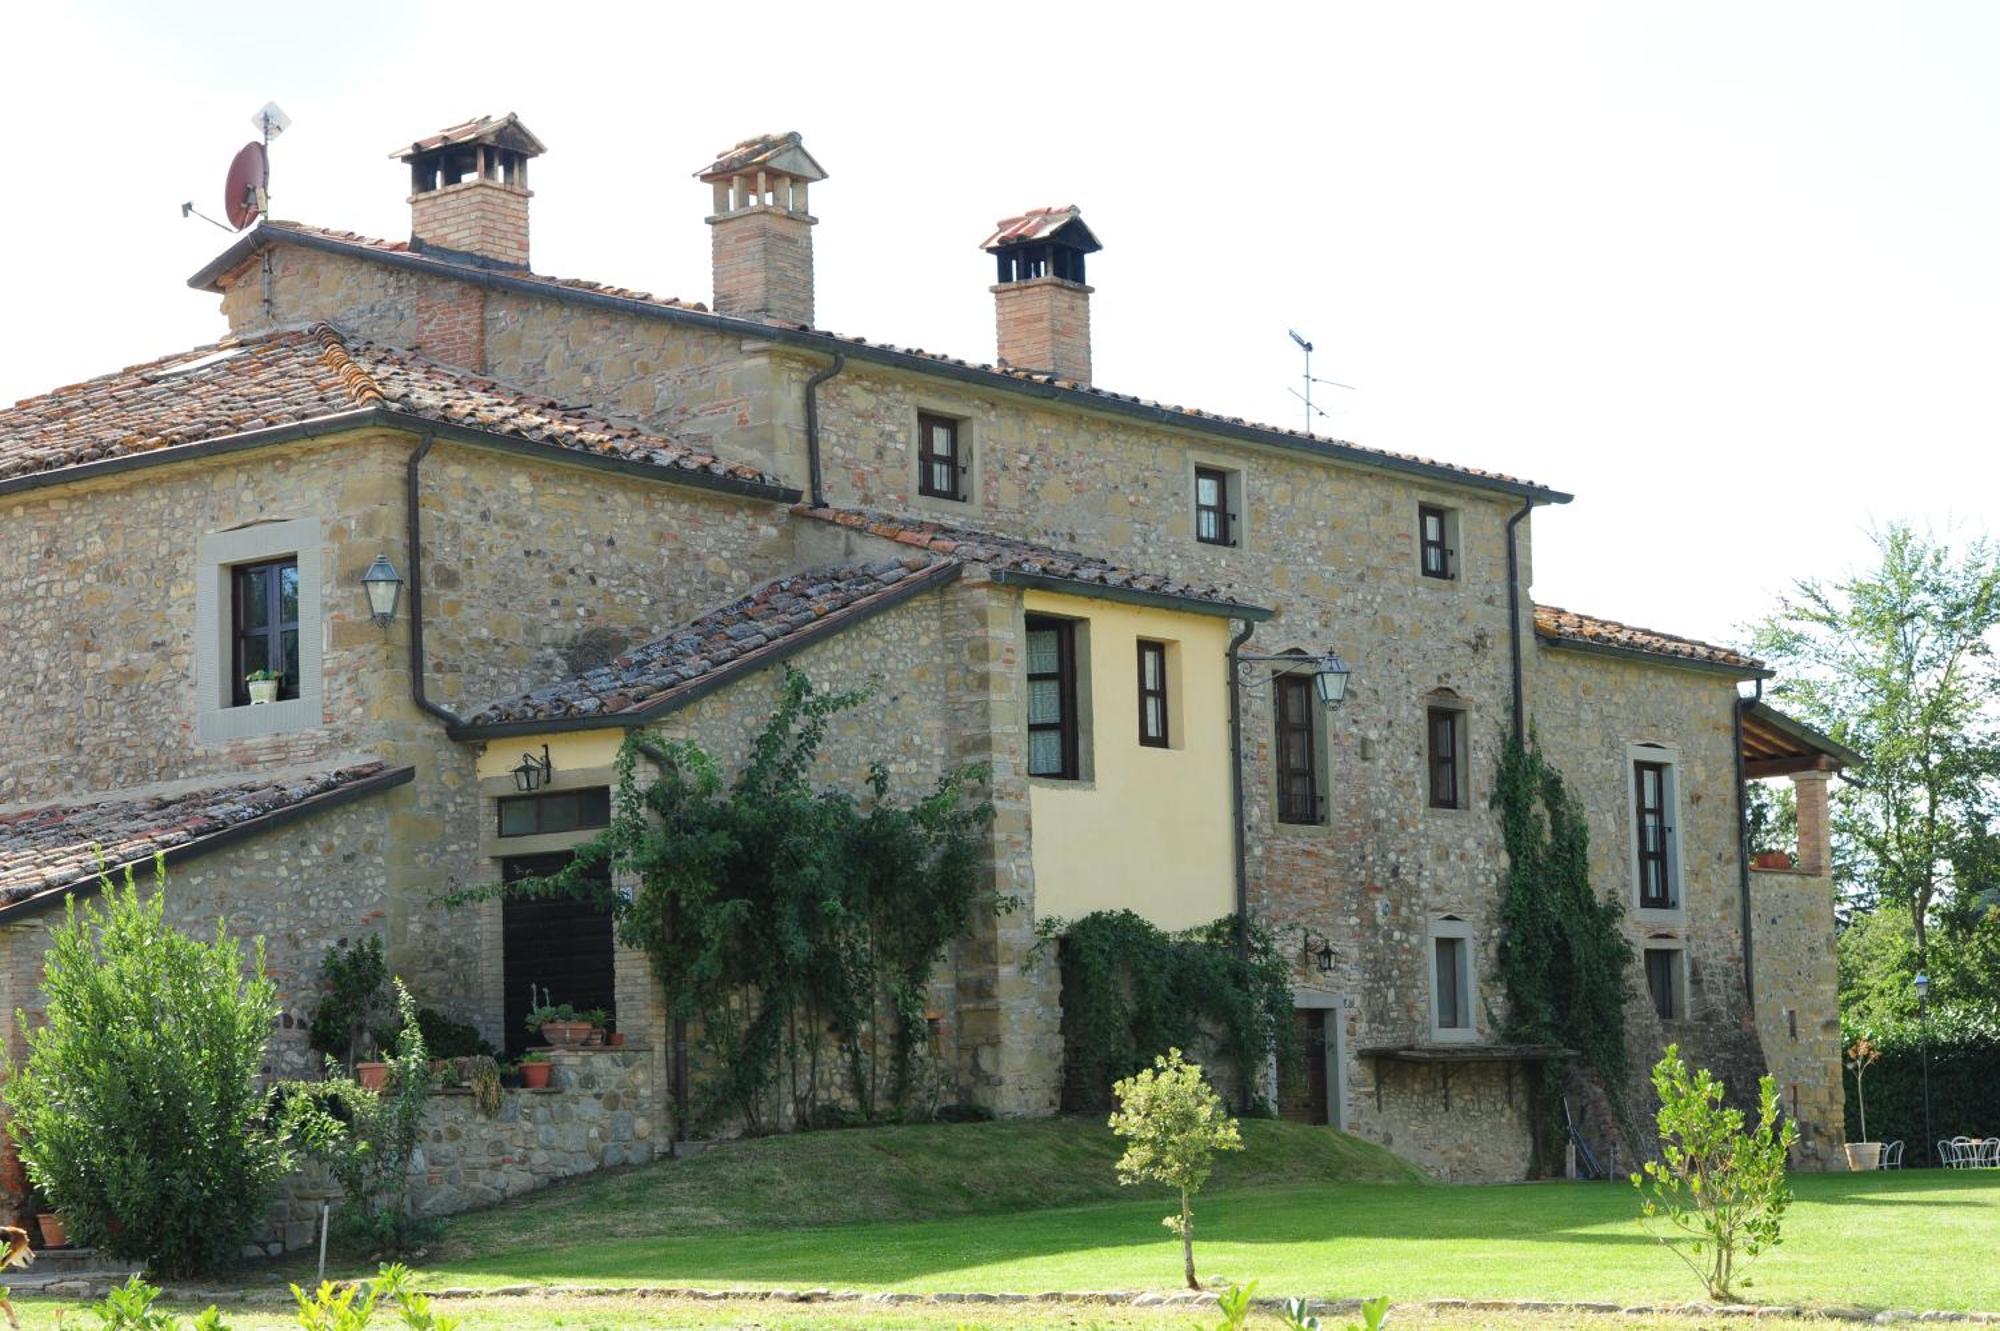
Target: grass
[(1034, 1207)]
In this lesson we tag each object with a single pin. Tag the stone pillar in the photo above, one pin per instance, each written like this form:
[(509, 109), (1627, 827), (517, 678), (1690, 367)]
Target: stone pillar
[(1044, 324), (1815, 830)]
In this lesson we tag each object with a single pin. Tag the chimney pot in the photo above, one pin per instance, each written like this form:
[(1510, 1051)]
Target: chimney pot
[(761, 230), (469, 191), (1041, 304)]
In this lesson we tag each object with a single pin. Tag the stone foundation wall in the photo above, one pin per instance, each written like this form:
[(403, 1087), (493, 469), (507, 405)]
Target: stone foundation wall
[(1464, 1122)]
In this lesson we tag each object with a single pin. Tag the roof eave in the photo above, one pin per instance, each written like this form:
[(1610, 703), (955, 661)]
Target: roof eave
[(228, 836), (1099, 591), (828, 343), (1589, 648), (764, 657), (1803, 733)]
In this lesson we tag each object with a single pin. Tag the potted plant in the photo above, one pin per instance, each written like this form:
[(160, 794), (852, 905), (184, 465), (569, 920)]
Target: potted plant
[(1771, 859), (1864, 1154), (54, 1233), (373, 1074), (510, 1076), (558, 1023), (535, 1070), (613, 1037), (598, 1019), (263, 686)]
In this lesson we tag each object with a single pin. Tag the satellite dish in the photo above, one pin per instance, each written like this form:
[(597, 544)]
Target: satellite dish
[(243, 195)]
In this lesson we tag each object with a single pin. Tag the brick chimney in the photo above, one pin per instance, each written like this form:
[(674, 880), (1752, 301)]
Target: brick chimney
[(469, 192), (1040, 304), (761, 230)]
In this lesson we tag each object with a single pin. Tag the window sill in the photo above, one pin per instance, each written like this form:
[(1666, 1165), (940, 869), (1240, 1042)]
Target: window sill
[(1657, 915), (1061, 783), (248, 721), (1454, 1035)]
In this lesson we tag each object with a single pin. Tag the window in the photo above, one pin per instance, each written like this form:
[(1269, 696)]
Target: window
[(1434, 538), (1454, 1004), (264, 625), (1663, 982), (1153, 694), (1214, 504), (1652, 784), (1052, 719), (1446, 729), (1298, 757), (556, 811), (940, 465)]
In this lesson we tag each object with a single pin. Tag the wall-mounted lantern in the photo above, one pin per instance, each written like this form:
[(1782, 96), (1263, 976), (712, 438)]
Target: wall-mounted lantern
[(533, 773), (1330, 673), (385, 588), (1320, 953)]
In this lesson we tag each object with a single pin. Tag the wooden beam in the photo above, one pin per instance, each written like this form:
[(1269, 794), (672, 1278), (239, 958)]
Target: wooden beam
[(1806, 762)]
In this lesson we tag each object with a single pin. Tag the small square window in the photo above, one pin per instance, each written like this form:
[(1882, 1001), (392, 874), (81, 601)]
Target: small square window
[(264, 625), (940, 460), (1153, 694), (555, 811), (1436, 536), (1217, 498), (1052, 714), (1663, 982), (1445, 727)]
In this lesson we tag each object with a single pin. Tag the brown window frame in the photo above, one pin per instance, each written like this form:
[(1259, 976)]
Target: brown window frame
[(1220, 511), (929, 460), (1656, 864), (1435, 557), (1148, 736), (1065, 675), (1296, 739), (1446, 761), (1668, 978), (591, 806), (273, 630)]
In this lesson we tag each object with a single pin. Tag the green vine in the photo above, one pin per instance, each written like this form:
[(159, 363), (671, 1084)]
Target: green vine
[(775, 914), (1564, 958), (1132, 991)]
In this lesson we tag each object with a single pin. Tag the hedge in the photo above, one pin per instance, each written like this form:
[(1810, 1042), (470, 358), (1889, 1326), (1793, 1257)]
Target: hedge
[(1964, 1082)]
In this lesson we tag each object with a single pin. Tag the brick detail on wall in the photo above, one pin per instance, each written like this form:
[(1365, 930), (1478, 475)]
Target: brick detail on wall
[(1044, 324), (474, 217), (451, 324), (764, 264)]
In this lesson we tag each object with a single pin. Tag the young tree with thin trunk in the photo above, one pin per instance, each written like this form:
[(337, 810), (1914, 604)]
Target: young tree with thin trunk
[(1897, 662), (1173, 1123)]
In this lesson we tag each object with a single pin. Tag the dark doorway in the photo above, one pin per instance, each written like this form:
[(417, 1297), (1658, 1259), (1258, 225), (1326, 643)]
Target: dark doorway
[(554, 943), (1304, 1099)]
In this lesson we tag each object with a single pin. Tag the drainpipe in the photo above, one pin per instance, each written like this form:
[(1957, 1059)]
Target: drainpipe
[(1514, 616), (1743, 848), (817, 488), (415, 538), (1237, 815)]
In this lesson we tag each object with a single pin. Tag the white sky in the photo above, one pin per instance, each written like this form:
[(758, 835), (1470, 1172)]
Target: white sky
[(1726, 272)]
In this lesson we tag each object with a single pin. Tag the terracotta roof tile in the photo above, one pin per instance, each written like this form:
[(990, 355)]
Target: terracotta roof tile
[(762, 150), (1014, 554), (1195, 415), (506, 129), (235, 386), (1034, 225), (734, 636), (60, 845), (1568, 626)]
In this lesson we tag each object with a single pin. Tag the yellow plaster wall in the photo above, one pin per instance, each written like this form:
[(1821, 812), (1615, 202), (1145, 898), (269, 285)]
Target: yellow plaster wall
[(569, 751), (1148, 829)]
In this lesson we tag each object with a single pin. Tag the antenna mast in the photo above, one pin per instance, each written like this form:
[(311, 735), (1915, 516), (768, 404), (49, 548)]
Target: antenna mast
[(1307, 396)]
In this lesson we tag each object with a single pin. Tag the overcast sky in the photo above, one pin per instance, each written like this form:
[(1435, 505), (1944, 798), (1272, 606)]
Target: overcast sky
[(1725, 272)]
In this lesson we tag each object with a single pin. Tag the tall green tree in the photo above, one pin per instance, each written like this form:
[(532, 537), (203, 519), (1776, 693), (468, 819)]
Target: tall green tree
[(1897, 662)]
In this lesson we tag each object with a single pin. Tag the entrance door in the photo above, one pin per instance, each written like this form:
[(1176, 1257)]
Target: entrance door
[(1305, 1100), (553, 943)]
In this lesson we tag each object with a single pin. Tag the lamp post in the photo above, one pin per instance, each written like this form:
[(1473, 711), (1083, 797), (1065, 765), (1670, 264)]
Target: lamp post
[(1923, 986)]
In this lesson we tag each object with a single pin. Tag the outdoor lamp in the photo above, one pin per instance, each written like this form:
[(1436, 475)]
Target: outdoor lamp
[(1923, 986), (533, 773), (384, 587), (1330, 680)]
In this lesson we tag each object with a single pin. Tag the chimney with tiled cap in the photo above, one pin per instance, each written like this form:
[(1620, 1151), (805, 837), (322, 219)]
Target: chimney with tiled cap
[(1040, 303), (469, 191), (762, 231)]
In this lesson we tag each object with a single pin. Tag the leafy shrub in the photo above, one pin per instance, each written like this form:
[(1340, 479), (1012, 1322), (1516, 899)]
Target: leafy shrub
[(356, 979), (1964, 1069), (1173, 1123), (129, 1307), (1297, 1315), (138, 1110), (1719, 1192)]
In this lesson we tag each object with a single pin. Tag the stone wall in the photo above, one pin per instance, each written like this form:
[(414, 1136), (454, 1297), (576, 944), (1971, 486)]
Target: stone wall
[(1464, 1123), (1798, 1007)]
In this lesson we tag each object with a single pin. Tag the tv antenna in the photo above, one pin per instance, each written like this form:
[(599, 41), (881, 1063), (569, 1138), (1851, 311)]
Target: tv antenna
[(1307, 396), (246, 191)]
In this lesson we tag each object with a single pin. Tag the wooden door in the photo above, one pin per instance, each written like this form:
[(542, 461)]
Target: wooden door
[(1303, 1097), (553, 943)]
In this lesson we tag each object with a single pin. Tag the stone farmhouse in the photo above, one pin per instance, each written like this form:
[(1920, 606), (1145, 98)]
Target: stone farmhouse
[(596, 509)]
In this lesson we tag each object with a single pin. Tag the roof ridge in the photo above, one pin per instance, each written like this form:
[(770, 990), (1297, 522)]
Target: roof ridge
[(333, 353)]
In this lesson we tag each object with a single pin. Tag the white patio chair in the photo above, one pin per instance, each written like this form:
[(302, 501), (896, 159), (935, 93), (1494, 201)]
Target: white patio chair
[(1892, 1156), (1961, 1153), (1943, 1156), (1988, 1154)]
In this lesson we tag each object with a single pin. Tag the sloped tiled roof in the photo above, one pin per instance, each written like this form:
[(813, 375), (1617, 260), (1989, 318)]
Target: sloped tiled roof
[(237, 386), (506, 130), (1015, 555), (1563, 626), (1193, 417), (784, 152), (61, 845), (1036, 224), (751, 631)]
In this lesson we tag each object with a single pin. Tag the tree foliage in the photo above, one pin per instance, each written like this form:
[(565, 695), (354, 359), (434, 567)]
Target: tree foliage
[(774, 912), (138, 1110), (1897, 663), (1173, 1123), (1564, 959), (1717, 1195)]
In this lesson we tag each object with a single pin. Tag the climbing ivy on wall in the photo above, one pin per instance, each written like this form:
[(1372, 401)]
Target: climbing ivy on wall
[(1564, 958), (779, 917), (1131, 991)]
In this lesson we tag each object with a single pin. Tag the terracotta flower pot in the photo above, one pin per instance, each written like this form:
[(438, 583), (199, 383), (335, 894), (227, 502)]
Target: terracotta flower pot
[(567, 1034), (534, 1076), (1863, 1156), (54, 1234), (615, 1039), (1772, 859), (372, 1076), (595, 1040)]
